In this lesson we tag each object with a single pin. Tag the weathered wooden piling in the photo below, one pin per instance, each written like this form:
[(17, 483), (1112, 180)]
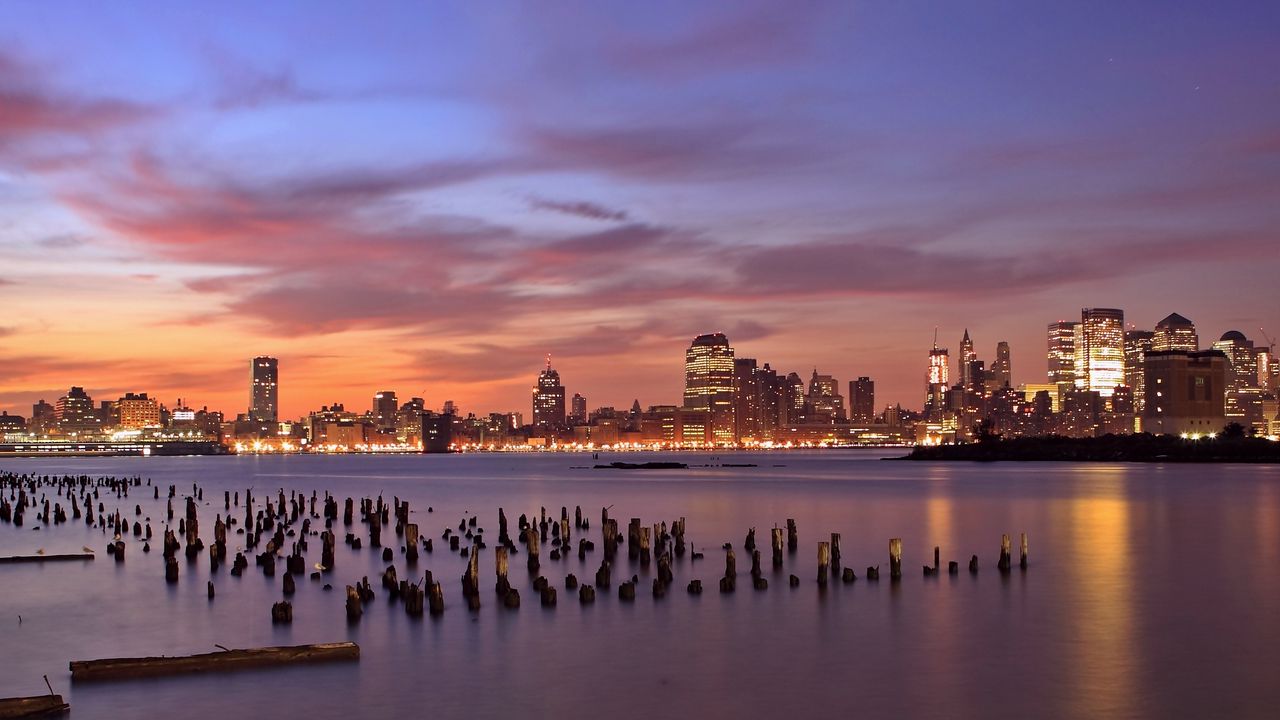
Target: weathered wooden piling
[(282, 613), (500, 567), (824, 562), (1022, 551), (411, 542), (531, 545), (775, 542), (835, 553), (435, 599), (1005, 562), (793, 537), (171, 570), (973, 564), (895, 559), (33, 707), (355, 608), (211, 591), (586, 594)]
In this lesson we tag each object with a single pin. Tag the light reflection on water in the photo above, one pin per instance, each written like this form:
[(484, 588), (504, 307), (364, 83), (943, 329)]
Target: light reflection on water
[(1152, 593)]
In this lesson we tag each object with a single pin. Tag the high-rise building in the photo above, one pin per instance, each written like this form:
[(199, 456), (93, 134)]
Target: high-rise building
[(793, 398), (136, 411), (75, 412), (1137, 343), (1185, 391), (264, 390), (1099, 345), (823, 402), (385, 409), (937, 383), (1001, 375), (1175, 333), (44, 417), (709, 382), (746, 399), (862, 400), (1062, 356), (1242, 373), (548, 401), (772, 405), (577, 410), (967, 356)]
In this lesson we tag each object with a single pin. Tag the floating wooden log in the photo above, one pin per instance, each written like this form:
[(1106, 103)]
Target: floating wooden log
[(225, 661), (12, 559), (32, 707)]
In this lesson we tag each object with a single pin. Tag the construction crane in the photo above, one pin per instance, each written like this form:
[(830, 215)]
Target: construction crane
[(1271, 344)]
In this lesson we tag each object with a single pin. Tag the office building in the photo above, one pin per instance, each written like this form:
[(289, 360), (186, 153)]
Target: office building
[(1001, 374), (967, 356), (577, 409), (1099, 350), (1062, 356), (75, 412), (264, 390), (136, 411), (709, 384), (1175, 333), (862, 400), (1185, 391), (746, 399), (548, 402), (385, 409), (1137, 343), (937, 384)]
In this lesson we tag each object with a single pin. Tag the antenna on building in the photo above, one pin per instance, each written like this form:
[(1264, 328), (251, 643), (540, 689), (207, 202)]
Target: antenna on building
[(548, 361), (935, 337)]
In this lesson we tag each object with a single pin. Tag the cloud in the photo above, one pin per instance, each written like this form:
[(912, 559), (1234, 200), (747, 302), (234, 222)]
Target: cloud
[(62, 242), (580, 208), (29, 109)]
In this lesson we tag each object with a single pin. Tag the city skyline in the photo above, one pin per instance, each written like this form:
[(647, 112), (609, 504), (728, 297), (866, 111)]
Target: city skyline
[(436, 211)]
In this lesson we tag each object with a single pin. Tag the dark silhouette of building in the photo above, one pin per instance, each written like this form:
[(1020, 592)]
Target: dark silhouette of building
[(746, 398), (1185, 392), (862, 400), (264, 390), (577, 410), (385, 408), (437, 432)]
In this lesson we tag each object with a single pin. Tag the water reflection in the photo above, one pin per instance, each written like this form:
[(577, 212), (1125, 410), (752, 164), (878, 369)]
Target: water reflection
[(1104, 654)]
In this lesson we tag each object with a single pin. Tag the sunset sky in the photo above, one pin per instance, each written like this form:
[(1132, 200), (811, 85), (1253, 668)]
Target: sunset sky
[(430, 197)]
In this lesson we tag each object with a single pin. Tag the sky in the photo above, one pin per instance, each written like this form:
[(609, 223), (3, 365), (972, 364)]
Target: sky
[(432, 197)]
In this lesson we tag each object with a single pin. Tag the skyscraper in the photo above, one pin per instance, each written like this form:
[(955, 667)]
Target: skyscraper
[(1137, 343), (967, 356), (937, 382), (1001, 374), (1099, 345), (548, 401), (1175, 333), (746, 393), (708, 383), (772, 406), (1242, 373), (264, 390), (75, 412), (824, 402), (862, 400), (577, 410), (385, 409), (1062, 355)]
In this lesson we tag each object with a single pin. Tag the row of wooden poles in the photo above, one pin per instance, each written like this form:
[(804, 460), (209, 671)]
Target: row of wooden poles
[(644, 543)]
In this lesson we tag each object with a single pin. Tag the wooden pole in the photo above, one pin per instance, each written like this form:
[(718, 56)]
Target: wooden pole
[(824, 562), (895, 559)]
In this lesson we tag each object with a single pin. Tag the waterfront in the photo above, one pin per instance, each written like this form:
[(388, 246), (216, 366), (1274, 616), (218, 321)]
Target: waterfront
[(1152, 592)]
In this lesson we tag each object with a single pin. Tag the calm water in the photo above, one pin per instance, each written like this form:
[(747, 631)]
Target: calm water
[(1153, 592)]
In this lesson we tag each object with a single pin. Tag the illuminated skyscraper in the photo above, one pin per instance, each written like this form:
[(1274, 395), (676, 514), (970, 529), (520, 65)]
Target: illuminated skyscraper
[(1137, 343), (264, 390), (1242, 372), (708, 383), (548, 401), (75, 412), (824, 402), (1062, 355), (1175, 333), (138, 411), (1099, 340), (937, 382), (967, 356), (862, 400)]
